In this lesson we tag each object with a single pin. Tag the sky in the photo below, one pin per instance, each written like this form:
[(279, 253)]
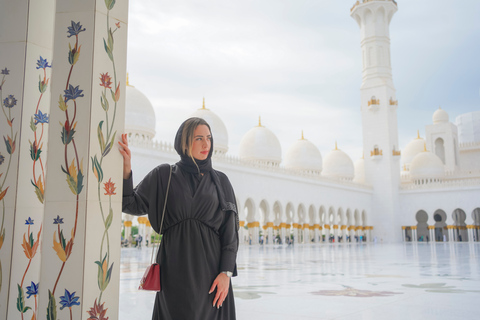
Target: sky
[(297, 64)]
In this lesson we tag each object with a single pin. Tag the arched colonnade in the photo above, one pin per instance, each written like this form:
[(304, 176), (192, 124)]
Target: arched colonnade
[(456, 226), (283, 222)]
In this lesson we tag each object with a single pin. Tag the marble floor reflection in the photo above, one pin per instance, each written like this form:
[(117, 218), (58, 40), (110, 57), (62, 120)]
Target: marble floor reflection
[(341, 281)]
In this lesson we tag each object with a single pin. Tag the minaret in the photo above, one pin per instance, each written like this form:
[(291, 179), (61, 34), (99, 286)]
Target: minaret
[(379, 116)]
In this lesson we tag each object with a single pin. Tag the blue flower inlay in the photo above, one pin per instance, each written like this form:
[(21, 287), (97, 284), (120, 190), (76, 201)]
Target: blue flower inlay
[(68, 300), (75, 29), (58, 220), (42, 63), (41, 117), (32, 290), (72, 93), (10, 101)]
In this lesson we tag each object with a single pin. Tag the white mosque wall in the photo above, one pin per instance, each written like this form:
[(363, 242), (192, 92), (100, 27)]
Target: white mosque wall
[(470, 156), (468, 127)]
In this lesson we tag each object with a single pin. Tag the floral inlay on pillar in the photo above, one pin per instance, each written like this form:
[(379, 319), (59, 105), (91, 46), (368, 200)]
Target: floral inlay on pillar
[(8, 103)]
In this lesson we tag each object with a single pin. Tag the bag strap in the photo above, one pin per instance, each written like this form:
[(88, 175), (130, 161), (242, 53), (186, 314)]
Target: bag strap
[(163, 214)]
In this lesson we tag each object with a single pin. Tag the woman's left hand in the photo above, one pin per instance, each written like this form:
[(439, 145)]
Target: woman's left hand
[(222, 283)]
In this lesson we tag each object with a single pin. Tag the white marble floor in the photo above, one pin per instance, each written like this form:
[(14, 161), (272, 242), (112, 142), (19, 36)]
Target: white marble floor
[(341, 281)]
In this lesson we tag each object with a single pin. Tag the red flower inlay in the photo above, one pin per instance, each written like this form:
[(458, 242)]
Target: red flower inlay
[(106, 80), (98, 311), (109, 187)]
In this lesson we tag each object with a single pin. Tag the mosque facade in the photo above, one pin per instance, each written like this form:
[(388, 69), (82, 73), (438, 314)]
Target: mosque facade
[(426, 191)]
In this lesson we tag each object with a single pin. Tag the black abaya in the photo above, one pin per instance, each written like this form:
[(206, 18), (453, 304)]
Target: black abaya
[(199, 241)]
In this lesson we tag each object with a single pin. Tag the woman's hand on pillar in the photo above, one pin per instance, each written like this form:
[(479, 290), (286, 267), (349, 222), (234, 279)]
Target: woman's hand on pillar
[(127, 156)]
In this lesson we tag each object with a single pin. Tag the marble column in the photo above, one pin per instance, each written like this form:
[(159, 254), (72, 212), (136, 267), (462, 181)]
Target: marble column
[(316, 233), (414, 233), (241, 232), (26, 48), (295, 233), (335, 233), (327, 233), (128, 231), (431, 233), (283, 232), (80, 265), (343, 228), (306, 233)]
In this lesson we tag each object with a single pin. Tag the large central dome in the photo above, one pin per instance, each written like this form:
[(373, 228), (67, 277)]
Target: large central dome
[(260, 144), (139, 114)]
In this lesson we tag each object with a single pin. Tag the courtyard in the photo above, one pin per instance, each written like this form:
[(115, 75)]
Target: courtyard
[(337, 281)]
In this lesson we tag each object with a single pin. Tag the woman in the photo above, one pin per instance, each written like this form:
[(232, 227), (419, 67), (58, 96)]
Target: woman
[(200, 228)]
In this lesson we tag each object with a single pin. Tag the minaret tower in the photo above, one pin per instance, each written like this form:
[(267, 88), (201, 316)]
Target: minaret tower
[(379, 116)]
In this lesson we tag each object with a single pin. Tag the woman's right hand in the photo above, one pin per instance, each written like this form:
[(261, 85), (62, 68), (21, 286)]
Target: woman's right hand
[(127, 156)]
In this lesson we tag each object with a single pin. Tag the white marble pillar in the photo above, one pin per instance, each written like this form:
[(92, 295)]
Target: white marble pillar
[(306, 233), (26, 47), (451, 234), (335, 233), (414, 234), (316, 232), (470, 232), (241, 232), (283, 232), (128, 231), (295, 233), (81, 251), (270, 235)]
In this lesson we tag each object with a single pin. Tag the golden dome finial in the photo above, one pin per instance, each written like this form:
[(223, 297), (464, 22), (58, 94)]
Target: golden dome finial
[(336, 148), (128, 83), (425, 147), (260, 121), (363, 155), (302, 136), (203, 103), (418, 134)]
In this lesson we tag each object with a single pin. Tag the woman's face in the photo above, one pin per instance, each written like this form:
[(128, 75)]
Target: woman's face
[(201, 142)]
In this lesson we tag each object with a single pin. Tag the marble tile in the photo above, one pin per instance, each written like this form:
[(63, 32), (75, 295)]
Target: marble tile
[(345, 281)]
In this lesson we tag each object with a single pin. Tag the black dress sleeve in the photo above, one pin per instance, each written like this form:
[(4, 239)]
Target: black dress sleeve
[(229, 243), (148, 196)]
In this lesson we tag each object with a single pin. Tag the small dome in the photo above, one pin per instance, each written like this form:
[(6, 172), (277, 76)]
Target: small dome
[(139, 114), (359, 171), (260, 144), (413, 148), (440, 116), (337, 164), (427, 165), (304, 156), (219, 131)]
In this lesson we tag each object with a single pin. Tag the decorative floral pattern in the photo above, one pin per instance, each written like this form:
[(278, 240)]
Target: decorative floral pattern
[(7, 104), (106, 137), (97, 312), (72, 168), (352, 292)]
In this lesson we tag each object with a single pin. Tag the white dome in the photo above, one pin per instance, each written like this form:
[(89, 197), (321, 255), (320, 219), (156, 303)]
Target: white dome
[(261, 145), (413, 148), (304, 156), (139, 114), (338, 164), (359, 171), (426, 165), (219, 131), (440, 116)]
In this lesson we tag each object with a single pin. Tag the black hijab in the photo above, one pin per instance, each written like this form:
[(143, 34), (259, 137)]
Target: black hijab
[(226, 195)]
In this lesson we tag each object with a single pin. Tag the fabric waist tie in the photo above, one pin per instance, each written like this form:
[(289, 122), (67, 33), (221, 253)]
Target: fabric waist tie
[(189, 219)]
